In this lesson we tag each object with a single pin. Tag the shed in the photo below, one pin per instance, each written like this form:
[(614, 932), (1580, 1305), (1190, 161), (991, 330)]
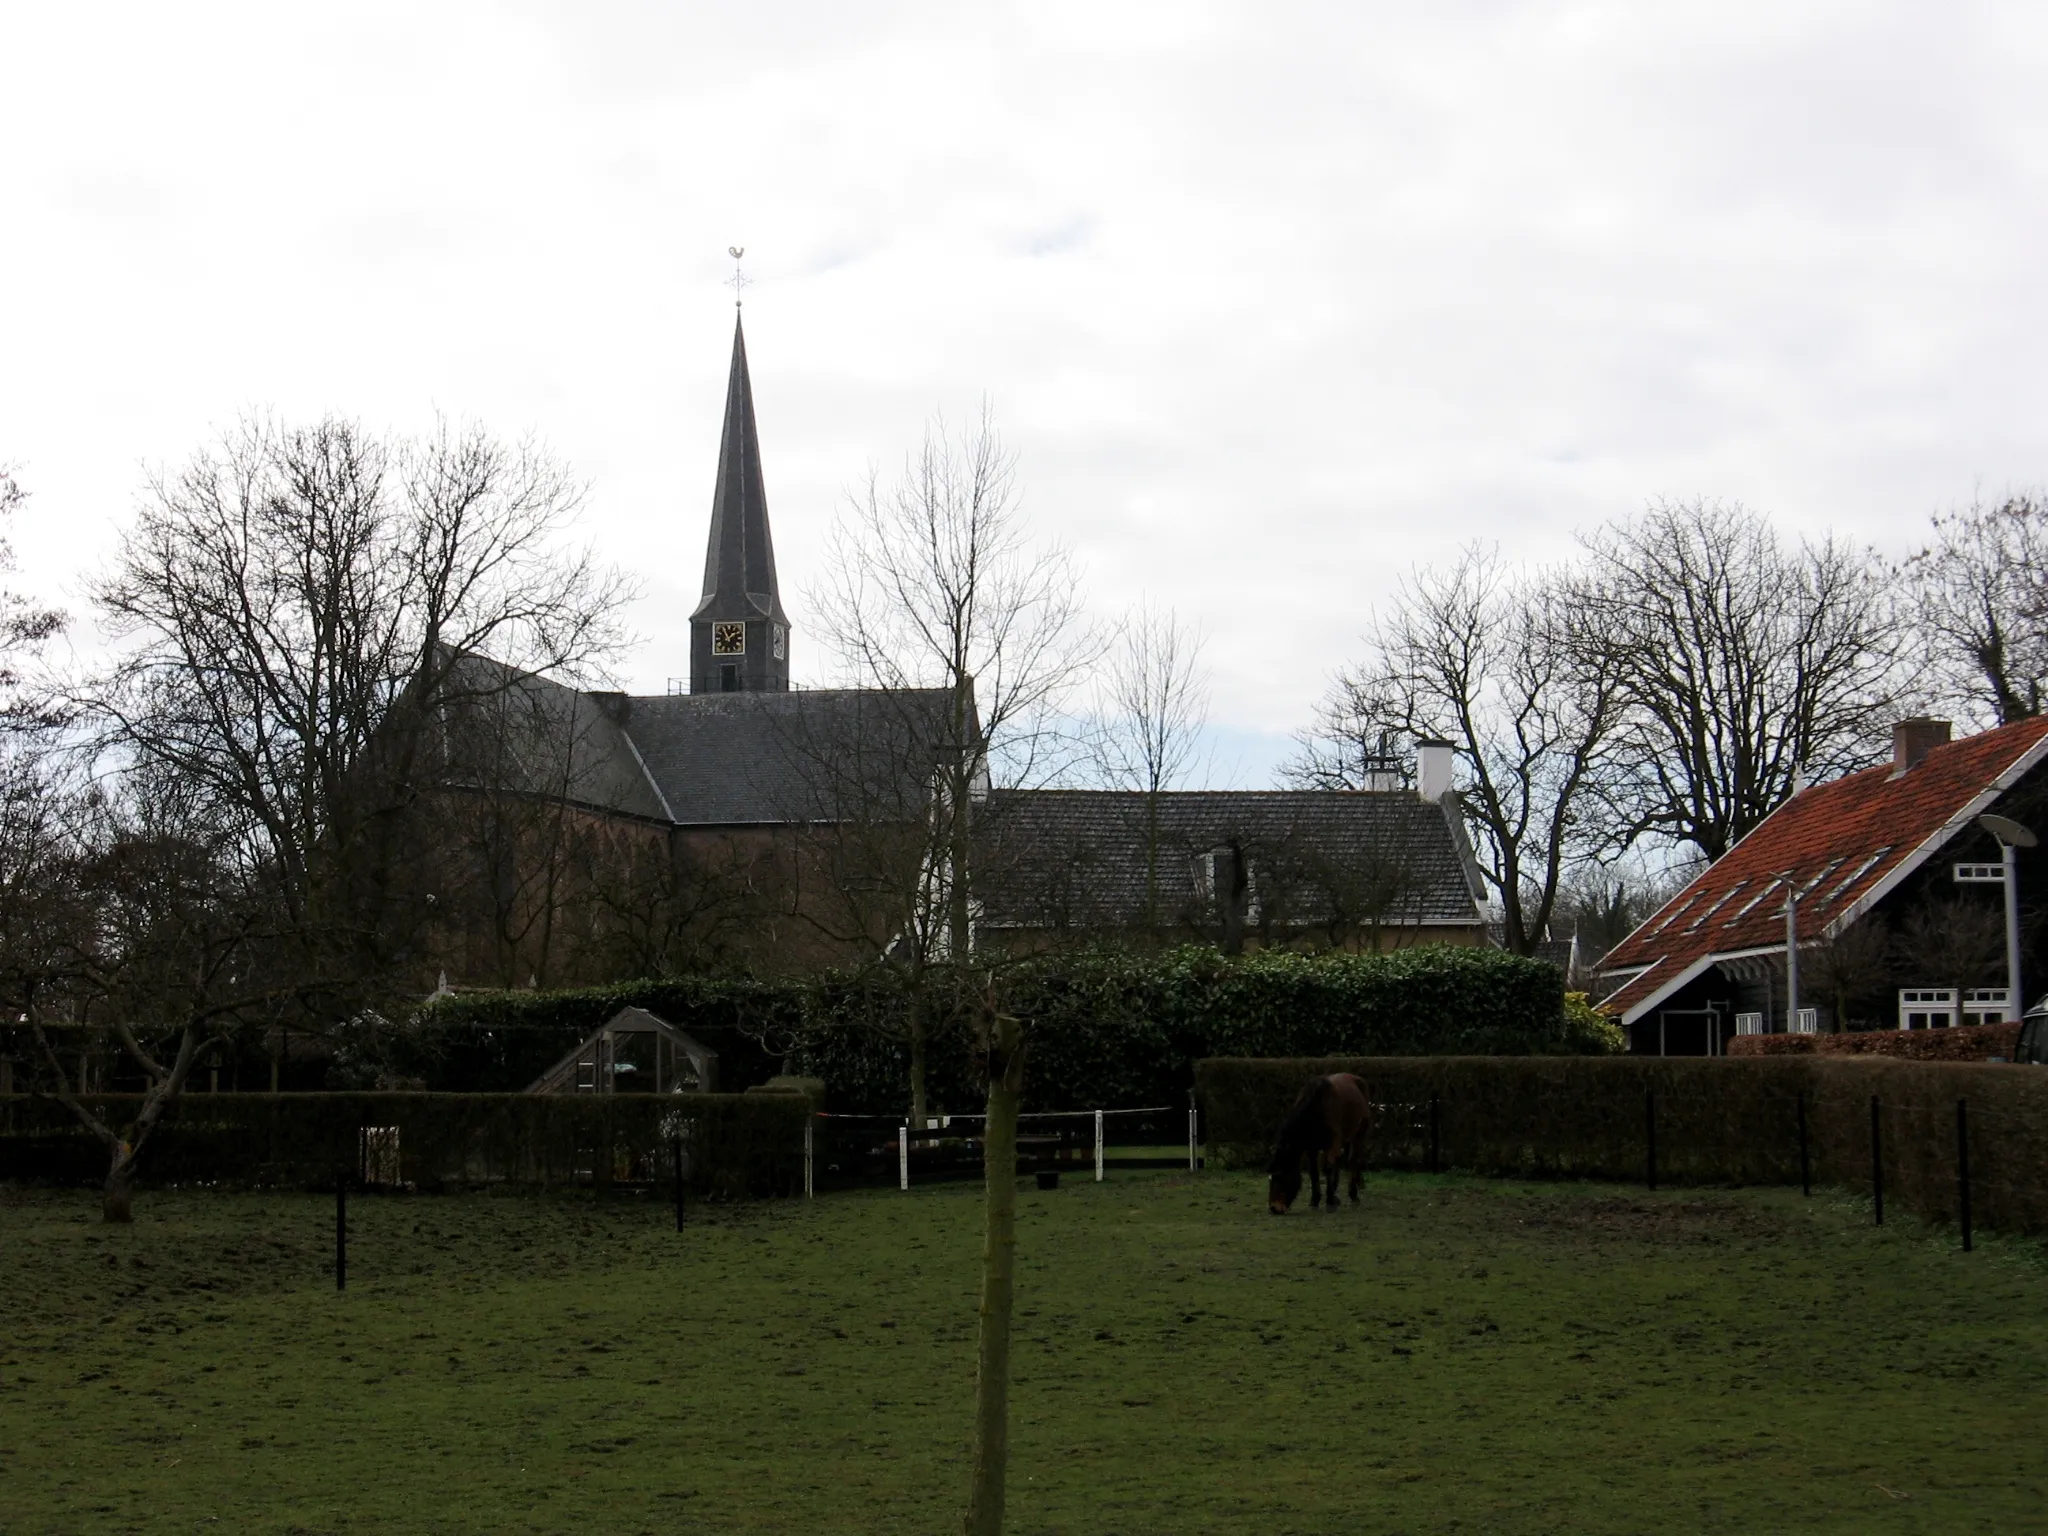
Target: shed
[(634, 1052)]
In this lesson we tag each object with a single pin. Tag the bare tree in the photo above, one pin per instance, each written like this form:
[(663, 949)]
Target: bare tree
[(24, 624), (1980, 606), (1601, 904), (1499, 664), (1152, 704), (130, 936), (1744, 668), (937, 585), (300, 615), (1951, 941), (1853, 967), (302, 611)]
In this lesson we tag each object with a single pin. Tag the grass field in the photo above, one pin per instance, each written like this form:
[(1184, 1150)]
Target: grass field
[(1453, 1355)]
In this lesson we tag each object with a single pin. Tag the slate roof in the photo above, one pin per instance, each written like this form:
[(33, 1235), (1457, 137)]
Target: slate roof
[(515, 730), (1848, 843), (1080, 857), (739, 559), (813, 755), (700, 759)]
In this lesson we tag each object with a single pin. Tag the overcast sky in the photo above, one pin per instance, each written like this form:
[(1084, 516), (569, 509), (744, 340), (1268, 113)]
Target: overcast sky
[(1273, 300)]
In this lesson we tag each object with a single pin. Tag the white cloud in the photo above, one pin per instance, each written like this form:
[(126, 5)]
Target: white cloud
[(1274, 299)]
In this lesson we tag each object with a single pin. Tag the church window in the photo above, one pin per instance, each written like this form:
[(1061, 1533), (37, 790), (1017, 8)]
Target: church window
[(728, 678)]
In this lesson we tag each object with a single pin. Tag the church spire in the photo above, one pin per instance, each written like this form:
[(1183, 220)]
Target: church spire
[(739, 635)]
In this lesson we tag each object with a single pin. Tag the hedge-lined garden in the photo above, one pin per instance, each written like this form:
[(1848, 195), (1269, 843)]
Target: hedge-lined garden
[(1718, 1121), (1969, 1042), (1110, 1029)]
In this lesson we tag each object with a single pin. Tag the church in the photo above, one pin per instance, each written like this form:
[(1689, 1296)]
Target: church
[(749, 825)]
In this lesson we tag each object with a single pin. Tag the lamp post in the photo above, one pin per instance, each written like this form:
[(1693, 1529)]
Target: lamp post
[(2012, 837)]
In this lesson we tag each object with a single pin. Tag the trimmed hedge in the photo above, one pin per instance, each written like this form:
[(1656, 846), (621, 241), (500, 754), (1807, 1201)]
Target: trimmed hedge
[(739, 1144), (1110, 1028), (1719, 1121), (1969, 1042)]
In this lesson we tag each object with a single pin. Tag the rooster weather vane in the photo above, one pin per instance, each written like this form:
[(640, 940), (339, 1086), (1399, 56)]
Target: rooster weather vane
[(738, 281)]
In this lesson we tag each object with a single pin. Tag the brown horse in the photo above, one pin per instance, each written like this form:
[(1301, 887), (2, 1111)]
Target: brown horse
[(1328, 1123)]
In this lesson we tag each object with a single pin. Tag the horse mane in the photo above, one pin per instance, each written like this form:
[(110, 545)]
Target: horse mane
[(1302, 1118)]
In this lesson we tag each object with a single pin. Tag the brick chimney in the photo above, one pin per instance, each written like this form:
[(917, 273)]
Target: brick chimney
[(1914, 739)]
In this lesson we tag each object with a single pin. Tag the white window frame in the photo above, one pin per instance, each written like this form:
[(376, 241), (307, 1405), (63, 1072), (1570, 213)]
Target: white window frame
[(1806, 1022), (1749, 1023), (1985, 1005), (1927, 1004)]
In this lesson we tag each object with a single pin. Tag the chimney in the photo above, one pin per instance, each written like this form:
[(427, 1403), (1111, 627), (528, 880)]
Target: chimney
[(1914, 739), (1433, 764)]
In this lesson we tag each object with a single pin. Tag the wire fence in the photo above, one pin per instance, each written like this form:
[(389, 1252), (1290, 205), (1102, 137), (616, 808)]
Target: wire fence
[(1959, 1144)]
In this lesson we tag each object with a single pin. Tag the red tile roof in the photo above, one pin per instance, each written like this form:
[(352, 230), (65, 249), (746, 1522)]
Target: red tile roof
[(1846, 842)]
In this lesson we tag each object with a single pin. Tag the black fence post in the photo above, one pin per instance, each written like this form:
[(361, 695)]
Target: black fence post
[(1876, 1162), (1650, 1136), (678, 1182), (1963, 1169), (1805, 1159), (341, 1229), (1435, 1144)]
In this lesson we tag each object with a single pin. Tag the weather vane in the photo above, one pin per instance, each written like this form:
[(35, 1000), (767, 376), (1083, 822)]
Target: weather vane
[(738, 281)]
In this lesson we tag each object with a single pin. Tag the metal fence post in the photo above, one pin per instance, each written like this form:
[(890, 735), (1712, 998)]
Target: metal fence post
[(1191, 1133), (1805, 1158), (679, 1180), (1098, 1146), (1963, 1169), (341, 1229), (903, 1157), (1876, 1162), (1650, 1136), (810, 1158)]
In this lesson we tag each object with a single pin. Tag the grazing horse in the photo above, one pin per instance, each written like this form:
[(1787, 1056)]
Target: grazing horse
[(1328, 1123)]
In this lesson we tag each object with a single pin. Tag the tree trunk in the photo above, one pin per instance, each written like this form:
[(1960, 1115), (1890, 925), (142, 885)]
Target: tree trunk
[(998, 1268), (917, 1058), (117, 1199)]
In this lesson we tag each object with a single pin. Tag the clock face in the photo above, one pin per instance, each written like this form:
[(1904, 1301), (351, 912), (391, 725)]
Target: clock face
[(781, 642), (728, 639)]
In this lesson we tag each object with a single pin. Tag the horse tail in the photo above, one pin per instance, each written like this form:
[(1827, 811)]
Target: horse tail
[(1305, 1117)]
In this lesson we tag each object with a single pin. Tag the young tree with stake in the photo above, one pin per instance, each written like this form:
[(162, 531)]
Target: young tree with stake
[(937, 585)]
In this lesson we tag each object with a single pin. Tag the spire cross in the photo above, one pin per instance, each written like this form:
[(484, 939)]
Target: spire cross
[(738, 281)]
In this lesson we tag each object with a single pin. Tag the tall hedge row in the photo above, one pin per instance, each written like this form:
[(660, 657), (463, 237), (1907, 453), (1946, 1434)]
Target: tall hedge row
[(1113, 1030), (1725, 1120), (738, 1144), (1110, 1028)]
